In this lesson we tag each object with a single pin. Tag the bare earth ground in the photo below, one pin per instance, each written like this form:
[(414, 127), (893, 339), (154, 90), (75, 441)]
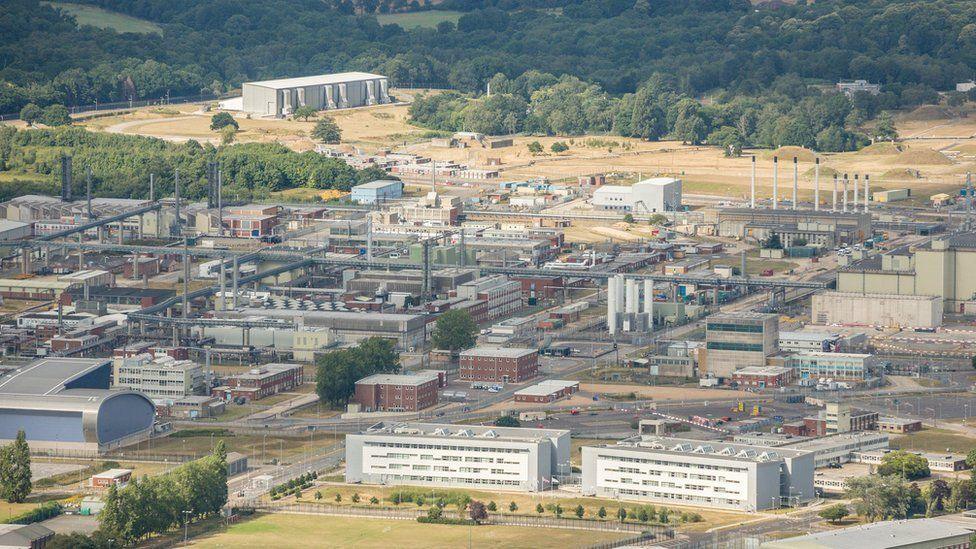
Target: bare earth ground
[(936, 155)]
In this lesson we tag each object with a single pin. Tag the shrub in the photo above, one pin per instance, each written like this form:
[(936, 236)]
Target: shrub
[(37, 514), (559, 147), (355, 498), (374, 501)]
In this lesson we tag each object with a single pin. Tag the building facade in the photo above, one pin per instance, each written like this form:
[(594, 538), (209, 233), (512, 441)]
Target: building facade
[(835, 366), (655, 195), (734, 341), (323, 92), (397, 393), (377, 192), (261, 382), (505, 365), (693, 472), (464, 456), (159, 378)]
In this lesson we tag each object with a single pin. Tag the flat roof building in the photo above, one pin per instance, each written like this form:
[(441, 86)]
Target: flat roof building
[(702, 473), (836, 366), (738, 340), (926, 533), (398, 392), (377, 192), (655, 195), (64, 405), (466, 456), (323, 92), (547, 391), (504, 364)]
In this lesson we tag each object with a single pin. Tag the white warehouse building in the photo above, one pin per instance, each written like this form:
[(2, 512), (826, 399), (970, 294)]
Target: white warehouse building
[(655, 195), (679, 471), (465, 456), (327, 91)]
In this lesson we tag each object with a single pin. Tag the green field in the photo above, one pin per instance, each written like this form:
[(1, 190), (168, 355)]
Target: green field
[(104, 19), (280, 530), (935, 440), (418, 19)]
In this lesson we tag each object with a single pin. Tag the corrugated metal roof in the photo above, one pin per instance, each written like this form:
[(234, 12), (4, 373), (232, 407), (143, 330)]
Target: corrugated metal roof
[(318, 80)]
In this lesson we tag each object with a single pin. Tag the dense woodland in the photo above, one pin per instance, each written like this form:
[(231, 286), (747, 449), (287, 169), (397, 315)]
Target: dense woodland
[(121, 165), (705, 46)]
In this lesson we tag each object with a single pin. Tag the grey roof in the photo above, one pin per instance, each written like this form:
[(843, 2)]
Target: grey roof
[(49, 376), (705, 449), (318, 80), (414, 379), (378, 184), (504, 352), (880, 535), (447, 430), (23, 535)]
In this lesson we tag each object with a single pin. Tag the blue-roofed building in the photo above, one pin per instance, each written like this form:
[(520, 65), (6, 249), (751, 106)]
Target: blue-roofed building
[(377, 191), (64, 405)]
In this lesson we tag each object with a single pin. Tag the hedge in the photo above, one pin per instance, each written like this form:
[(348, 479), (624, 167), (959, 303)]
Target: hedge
[(37, 514), (444, 520)]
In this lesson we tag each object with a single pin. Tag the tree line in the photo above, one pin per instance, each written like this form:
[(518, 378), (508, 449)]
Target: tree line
[(913, 47), (121, 165), (153, 505), (15, 471), (790, 112), (338, 371)]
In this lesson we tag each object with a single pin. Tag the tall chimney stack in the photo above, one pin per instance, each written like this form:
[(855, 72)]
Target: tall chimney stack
[(65, 177), (867, 191), (752, 195), (796, 175), (816, 184), (775, 182)]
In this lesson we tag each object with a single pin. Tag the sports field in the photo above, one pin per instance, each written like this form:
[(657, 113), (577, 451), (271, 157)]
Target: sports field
[(105, 19)]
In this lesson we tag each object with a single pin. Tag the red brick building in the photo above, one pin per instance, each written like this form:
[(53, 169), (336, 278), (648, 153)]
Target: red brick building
[(899, 425), (119, 477), (398, 393), (762, 377), (507, 365), (260, 382)]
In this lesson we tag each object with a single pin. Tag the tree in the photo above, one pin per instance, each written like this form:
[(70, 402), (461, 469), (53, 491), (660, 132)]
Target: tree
[(455, 330), (579, 511), (477, 511), (221, 120), (30, 113), (729, 138), (507, 421), (962, 494), (435, 513), (355, 497), (15, 472), (643, 515), (492, 507), (512, 507), (879, 497), (534, 147), (539, 508), (559, 147), (305, 112), (773, 242), (227, 134), (558, 510), (936, 495), (374, 501), (622, 514), (327, 131), (318, 494), (799, 241), (56, 115), (835, 513), (602, 512), (338, 498), (909, 465), (628, 218), (886, 128)]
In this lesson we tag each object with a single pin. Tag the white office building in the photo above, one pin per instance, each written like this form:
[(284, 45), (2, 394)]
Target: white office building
[(807, 342), (835, 366), (160, 378), (460, 456), (703, 473), (655, 195)]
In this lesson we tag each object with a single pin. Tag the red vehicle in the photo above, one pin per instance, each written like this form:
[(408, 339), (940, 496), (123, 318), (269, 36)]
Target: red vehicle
[(574, 412), (767, 272)]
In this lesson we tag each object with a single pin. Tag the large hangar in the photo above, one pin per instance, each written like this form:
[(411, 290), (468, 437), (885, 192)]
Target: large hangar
[(64, 406), (323, 92)]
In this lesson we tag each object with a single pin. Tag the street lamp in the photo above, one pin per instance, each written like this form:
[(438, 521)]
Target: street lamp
[(186, 526)]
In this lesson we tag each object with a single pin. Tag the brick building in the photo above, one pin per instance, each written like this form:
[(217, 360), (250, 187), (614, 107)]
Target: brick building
[(899, 425), (398, 393), (508, 365), (762, 377), (118, 477), (260, 382)]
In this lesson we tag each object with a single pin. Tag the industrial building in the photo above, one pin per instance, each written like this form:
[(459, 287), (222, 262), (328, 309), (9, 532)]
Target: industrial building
[(377, 192), (826, 228), (734, 341), (627, 310), (927, 533), (398, 392), (655, 195), (719, 475), (835, 366), (871, 309), (802, 342), (323, 92), (24, 536), (64, 405), (941, 462), (547, 391), (763, 377), (502, 364), (458, 456), (941, 268)]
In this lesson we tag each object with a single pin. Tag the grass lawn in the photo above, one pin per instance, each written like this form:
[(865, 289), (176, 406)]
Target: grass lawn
[(289, 449), (281, 530), (8, 510), (105, 19), (417, 19), (934, 440), (575, 457)]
